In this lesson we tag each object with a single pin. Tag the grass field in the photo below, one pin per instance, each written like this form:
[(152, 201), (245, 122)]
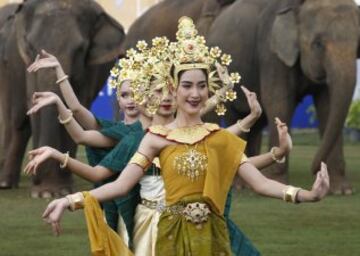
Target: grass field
[(329, 228)]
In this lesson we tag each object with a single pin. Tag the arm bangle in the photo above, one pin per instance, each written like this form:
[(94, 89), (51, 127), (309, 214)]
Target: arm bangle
[(273, 156), (290, 194), (67, 120), (66, 160), (140, 160), (62, 79), (241, 128), (76, 201)]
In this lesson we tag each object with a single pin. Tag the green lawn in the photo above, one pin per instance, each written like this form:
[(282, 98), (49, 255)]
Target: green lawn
[(329, 228)]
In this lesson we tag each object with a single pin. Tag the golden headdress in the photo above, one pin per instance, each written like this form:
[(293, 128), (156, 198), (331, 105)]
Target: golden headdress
[(128, 68), (155, 74), (149, 68), (190, 52)]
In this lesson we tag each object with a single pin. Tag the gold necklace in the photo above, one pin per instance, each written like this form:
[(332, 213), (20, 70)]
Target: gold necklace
[(191, 163)]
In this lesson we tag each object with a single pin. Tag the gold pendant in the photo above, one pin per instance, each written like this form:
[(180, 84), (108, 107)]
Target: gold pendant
[(191, 164)]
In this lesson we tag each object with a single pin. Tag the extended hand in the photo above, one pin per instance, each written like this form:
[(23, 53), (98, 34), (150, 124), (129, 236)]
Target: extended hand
[(53, 213), (285, 141), (322, 183), (38, 156), (255, 108), (42, 99), (43, 60)]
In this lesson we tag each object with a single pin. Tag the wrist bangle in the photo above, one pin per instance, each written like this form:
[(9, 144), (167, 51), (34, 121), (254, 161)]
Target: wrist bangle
[(66, 160), (76, 201), (290, 194), (273, 156), (241, 128), (62, 79), (67, 120)]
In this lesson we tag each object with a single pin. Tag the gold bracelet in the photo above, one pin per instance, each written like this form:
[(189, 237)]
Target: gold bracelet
[(76, 201), (273, 156), (140, 160), (241, 127), (67, 120), (66, 160), (62, 79), (290, 194)]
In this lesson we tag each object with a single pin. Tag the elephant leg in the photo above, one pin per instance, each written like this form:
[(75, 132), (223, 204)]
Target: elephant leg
[(335, 161), (2, 142), (51, 180), (15, 142), (278, 99), (254, 138)]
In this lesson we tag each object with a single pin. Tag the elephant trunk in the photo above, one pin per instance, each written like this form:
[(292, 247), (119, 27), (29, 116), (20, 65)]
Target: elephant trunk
[(341, 79)]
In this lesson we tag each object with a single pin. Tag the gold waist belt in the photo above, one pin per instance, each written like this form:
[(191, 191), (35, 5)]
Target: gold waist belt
[(155, 205), (196, 212)]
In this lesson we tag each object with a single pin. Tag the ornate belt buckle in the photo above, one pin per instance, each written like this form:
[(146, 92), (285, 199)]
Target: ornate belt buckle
[(196, 213)]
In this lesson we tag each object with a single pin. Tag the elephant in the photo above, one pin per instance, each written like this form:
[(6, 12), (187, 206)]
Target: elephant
[(203, 12), (286, 49), (87, 42)]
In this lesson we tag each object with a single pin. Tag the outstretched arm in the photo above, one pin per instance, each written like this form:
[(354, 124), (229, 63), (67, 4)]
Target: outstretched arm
[(244, 125), (276, 154), (78, 134), (148, 149), (82, 114), (40, 155), (267, 187)]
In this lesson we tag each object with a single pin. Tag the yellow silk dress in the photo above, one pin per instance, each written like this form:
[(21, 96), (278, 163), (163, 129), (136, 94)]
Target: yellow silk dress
[(223, 152)]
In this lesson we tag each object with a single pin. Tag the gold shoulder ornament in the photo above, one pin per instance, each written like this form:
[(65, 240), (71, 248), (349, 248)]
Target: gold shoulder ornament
[(185, 135)]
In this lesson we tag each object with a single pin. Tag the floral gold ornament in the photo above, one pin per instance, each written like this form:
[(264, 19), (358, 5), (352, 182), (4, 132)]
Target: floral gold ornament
[(230, 95), (191, 164), (196, 212), (220, 109), (226, 60), (235, 78)]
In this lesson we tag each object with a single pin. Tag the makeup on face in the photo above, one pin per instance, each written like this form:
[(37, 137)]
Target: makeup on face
[(192, 91), (125, 100)]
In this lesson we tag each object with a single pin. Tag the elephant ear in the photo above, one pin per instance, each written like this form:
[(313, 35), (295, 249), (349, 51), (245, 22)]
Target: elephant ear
[(26, 50), (105, 45), (284, 37)]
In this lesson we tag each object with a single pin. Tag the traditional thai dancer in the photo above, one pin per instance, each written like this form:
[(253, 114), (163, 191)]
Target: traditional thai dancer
[(210, 129), (90, 127)]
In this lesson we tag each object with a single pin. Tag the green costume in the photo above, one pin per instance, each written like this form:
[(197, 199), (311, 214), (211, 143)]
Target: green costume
[(115, 159)]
